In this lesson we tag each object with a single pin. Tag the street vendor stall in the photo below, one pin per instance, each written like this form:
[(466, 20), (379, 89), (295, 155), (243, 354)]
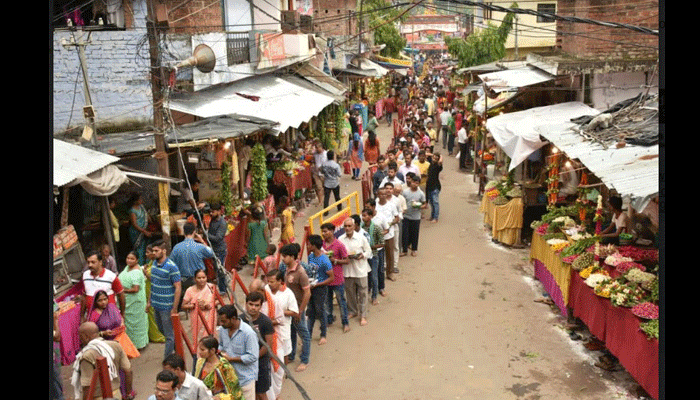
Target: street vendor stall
[(502, 206)]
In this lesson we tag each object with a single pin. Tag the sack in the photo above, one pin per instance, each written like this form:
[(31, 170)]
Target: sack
[(347, 169)]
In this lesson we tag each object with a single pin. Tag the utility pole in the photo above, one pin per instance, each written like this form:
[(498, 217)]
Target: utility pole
[(155, 24), (88, 110)]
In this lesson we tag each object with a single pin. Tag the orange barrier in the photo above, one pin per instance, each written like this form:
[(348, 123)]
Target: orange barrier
[(101, 373)]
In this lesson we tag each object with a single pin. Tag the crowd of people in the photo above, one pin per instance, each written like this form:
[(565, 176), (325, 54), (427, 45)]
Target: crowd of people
[(243, 354)]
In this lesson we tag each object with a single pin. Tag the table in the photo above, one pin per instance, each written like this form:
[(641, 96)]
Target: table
[(299, 181), (619, 329), (554, 274), (506, 220)]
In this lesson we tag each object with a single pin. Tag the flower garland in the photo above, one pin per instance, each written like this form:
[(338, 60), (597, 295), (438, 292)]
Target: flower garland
[(553, 181)]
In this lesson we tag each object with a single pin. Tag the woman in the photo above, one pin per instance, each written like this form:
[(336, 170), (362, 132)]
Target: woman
[(154, 334), (200, 296), (356, 156), (138, 221), (135, 317), (111, 325), (257, 236), (215, 371), (371, 147), (618, 225)]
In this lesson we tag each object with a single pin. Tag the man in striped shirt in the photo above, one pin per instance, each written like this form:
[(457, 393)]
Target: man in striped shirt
[(95, 278), (166, 287)]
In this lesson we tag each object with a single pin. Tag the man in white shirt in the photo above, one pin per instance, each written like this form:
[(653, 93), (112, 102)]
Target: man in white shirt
[(391, 175), (189, 387), (387, 210), (355, 270), (319, 158), (444, 119), (408, 165), (462, 141)]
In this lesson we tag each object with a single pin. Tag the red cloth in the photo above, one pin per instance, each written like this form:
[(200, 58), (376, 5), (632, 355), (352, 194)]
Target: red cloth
[(302, 180), (619, 329)]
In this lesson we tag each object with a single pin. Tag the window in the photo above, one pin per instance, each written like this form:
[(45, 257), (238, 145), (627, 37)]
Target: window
[(237, 48), (548, 9)]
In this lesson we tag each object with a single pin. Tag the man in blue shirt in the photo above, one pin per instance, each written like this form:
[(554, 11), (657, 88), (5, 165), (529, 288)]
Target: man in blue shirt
[(218, 228), (189, 256), (319, 286), (166, 286), (238, 343)]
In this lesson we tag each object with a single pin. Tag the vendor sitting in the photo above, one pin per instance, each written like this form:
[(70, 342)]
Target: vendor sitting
[(618, 225)]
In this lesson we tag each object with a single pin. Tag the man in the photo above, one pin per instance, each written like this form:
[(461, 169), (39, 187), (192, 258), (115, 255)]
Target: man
[(376, 234), (189, 255), (432, 133), (218, 227), (166, 287), (444, 121), (423, 164), (379, 174), (433, 187), (95, 278), (355, 270), (262, 324), (391, 175), (331, 173), (389, 108), (188, 387), (389, 212), (286, 304), (400, 202), (85, 365), (238, 343), (408, 166), (297, 281), (451, 129), (462, 141), (415, 199), (319, 286), (166, 386), (320, 157), (335, 251)]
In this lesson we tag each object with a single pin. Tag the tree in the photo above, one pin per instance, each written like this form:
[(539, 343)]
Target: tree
[(483, 47), (379, 12)]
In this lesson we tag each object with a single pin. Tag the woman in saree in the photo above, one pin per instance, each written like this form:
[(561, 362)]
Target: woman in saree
[(111, 325), (135, 317), (138, 222), (216, 372), (201, 296)]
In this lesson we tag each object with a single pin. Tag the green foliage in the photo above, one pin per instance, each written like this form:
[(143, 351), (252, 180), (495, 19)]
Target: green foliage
[(483, 47), (379, 12), (226, 193), (258, 169)]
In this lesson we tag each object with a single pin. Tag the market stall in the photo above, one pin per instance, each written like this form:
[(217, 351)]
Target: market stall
[(295, 176), (502, 206)]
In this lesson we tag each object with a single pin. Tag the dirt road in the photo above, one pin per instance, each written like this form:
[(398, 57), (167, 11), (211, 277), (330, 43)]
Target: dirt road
[(459, 323)]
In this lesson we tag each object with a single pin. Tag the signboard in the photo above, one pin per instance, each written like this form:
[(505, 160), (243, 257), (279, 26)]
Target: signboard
[(270, 49)]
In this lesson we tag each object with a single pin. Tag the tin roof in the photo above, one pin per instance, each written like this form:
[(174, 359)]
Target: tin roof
[(71, 161)]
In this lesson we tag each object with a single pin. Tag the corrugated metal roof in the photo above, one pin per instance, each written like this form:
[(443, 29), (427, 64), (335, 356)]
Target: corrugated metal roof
[(323, 80), (514, 78), (631, 170), (219, 127), (71, 161), (287, 100)]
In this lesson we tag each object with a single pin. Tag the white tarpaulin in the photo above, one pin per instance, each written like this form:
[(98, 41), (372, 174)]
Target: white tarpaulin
[(518, 133), (74, 164)]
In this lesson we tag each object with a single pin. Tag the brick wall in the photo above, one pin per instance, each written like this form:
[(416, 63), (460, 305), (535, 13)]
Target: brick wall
[(195, 16), (332, 17), (589, 41)]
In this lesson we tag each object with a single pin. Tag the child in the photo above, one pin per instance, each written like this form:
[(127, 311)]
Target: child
[(287, 219), (270, 261)]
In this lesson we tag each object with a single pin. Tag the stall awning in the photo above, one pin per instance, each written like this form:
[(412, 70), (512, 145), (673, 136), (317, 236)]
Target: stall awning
[(518, 133), (322, 80), (74, 164), (287, 100), (507, 84), (219, 127), (632, 171)]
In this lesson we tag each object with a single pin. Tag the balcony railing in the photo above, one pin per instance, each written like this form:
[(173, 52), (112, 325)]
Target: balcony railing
[(238, 47)]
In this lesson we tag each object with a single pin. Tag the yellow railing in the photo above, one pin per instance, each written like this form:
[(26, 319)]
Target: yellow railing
[(337, 218)]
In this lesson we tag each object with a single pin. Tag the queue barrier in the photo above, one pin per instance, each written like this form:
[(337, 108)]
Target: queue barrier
[(100, 374), (353, 199)]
